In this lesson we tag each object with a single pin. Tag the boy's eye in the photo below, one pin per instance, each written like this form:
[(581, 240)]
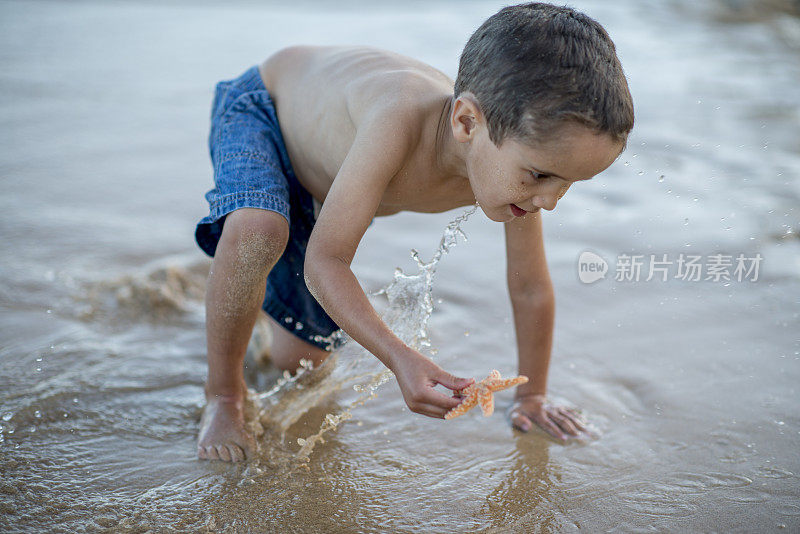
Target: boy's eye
[(538, 176)]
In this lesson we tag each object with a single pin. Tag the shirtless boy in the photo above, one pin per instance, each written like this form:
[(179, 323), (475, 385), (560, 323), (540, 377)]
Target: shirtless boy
[(540, 103)]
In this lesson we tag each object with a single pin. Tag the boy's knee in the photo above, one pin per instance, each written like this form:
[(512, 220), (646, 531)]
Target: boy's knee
[(260, 236)]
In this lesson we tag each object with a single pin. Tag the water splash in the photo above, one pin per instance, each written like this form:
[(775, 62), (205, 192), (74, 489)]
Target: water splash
[(409, 307)]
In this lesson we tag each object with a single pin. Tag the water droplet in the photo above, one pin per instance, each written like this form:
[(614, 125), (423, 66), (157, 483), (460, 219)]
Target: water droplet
[(38, 359), (695, 199), (641, 173), (661, 178), (7, 416), (287, 320), (627, 163), (49, 311), (298, 325), (466, 333), (686, 221), (37, 414)]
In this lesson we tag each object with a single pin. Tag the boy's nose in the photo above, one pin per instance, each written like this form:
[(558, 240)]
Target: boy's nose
[(545, 202), (549, 200)]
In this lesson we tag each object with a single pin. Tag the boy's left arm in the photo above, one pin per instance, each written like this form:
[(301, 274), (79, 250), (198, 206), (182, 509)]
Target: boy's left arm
[(533, 304)]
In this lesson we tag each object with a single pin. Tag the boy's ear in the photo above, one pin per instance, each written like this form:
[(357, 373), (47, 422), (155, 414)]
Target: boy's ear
[(466, 116)]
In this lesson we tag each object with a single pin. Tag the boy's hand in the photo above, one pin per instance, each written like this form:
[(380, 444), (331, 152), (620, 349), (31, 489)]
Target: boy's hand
[(417, 375), (561, 423)]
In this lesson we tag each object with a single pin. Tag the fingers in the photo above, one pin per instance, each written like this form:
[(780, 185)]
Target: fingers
[(574, 418), (524, 421), (520, 421), (453, 382), (440, 400), (434, 411), (551, 428), (429, 410), (433, 403), (564, 423)]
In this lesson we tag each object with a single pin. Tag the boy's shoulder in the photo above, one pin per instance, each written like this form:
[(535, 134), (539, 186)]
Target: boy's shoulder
[(364, 117), (364, 79)]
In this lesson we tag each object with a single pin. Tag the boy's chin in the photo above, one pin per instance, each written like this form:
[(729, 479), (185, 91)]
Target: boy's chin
[(498, 216)]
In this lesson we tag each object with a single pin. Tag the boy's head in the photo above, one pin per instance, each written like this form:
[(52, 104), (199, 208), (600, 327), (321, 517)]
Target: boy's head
[(535, 67)]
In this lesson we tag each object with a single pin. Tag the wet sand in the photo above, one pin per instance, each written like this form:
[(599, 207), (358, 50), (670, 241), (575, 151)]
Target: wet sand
[(693, 385)]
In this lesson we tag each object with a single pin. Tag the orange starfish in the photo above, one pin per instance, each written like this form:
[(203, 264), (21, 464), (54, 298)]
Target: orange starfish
[(483, 392)]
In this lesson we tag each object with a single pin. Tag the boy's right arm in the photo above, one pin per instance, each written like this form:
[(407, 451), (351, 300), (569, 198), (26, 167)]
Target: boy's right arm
[(378, 152)]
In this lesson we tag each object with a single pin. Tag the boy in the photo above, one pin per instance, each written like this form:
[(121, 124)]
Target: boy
[(540, 102)]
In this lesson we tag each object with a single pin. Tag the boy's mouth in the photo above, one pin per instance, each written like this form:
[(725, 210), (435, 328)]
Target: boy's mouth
[(517, 211)]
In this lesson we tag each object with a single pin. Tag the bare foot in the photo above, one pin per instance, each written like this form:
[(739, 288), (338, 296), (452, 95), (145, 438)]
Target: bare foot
[(223, 435)]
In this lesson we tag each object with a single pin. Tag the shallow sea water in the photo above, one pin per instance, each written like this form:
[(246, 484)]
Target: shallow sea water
[(692, 385)]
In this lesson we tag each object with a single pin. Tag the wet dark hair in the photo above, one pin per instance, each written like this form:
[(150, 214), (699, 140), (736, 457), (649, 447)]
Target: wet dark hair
[(534, 67)]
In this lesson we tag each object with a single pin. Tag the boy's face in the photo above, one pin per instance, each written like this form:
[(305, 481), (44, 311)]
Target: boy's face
[(518, 178)]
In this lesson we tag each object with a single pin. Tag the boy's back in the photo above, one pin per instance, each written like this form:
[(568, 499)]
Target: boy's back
[(324, 94)]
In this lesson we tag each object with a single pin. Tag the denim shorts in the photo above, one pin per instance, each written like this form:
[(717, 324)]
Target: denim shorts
[(252, 170)]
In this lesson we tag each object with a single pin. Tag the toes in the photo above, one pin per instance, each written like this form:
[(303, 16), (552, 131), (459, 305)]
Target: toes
[(236, 453), (223, 453), (226, 453)]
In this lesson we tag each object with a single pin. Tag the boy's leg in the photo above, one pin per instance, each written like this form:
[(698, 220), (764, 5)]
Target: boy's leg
[(286, 350), (252, 241)]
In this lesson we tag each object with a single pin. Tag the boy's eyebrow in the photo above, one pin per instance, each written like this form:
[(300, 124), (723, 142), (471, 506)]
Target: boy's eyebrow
[(548, 173)]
